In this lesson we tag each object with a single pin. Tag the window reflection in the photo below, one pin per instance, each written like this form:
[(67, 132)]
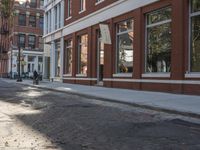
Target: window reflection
[(195, 37), (68, 57), (82, 54), (125, 47), (159, 42), (195, 6)]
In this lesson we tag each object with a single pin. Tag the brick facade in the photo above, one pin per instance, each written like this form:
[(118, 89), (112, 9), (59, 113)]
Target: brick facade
[(26, 27), (178, 80)]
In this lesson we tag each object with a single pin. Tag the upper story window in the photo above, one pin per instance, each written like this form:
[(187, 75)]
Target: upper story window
[(55, 16), (41, 3), (59, 13), (21, 40), (158, 41), (49, 22), (194, 36), (31, 41), (82, 5), (125, 46), (32, 21), (22, 19), (46, 23), (99, 1), (82, 54), (69, 8), (33, 3), (41, 43), (41, 23)]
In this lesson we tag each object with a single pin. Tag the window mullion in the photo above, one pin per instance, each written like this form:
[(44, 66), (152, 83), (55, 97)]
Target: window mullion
[(195, 14), (159, 23)]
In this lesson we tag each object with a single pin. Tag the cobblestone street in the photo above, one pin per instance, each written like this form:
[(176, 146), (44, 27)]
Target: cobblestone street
[(35, 119)]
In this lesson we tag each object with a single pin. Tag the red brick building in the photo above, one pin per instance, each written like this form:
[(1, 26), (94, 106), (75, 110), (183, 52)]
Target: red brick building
[(26, 34), (155, 44)]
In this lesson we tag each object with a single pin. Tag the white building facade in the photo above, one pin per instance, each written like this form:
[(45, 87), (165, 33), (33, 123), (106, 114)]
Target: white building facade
[(54, 43)]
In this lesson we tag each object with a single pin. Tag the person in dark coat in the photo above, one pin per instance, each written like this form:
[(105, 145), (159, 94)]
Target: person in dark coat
[(35, 77)]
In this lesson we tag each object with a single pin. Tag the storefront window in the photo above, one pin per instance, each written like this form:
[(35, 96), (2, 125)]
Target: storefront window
[(68, 57), (158, 41), (195, 6), (82, 54), (40, 64), (125, 37), (57, 59), (195, 36), (31, 63)]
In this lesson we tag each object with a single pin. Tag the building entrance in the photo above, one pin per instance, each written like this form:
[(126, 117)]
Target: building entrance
[(100, 59)]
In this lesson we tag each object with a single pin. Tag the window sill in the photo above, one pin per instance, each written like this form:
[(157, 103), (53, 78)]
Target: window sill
[(156, 75), (81, 75), (99, 2), (192, 75), (127, 75), (80, 12), (68, 18), (67, 75)]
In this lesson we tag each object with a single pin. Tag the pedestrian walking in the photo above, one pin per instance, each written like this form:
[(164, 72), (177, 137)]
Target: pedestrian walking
[(35, 78)]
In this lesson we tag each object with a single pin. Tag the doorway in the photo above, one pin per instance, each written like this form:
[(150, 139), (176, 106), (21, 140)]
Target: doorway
[(57, 60), (100, 59)]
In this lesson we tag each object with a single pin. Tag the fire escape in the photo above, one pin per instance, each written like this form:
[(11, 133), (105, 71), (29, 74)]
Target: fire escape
[(4, 33), (4, 41)]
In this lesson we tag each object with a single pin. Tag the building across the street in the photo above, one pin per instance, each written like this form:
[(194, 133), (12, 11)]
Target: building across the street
[(4, 36), (25, 38), (54, 43), (26, 35), (150, 45)]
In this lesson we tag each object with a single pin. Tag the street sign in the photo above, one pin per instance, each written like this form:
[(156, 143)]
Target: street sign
[(105, 32)]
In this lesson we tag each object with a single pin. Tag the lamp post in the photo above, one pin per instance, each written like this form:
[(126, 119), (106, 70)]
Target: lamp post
[(19, 64), (19, 54)]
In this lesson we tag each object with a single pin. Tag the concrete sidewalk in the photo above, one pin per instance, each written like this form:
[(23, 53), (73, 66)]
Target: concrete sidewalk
[(173, 103)]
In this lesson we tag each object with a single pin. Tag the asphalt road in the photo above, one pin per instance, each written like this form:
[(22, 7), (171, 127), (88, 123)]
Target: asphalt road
[(35, 119)]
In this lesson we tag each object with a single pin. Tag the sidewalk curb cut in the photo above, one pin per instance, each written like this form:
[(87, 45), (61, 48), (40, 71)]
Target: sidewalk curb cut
[(170, 111)]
